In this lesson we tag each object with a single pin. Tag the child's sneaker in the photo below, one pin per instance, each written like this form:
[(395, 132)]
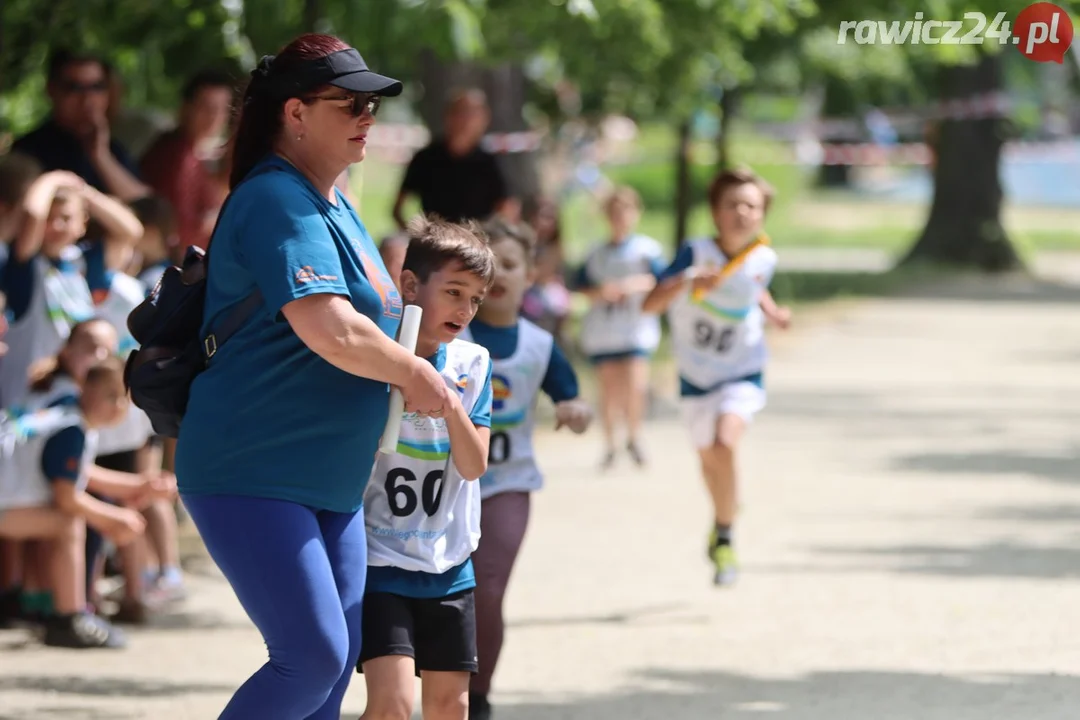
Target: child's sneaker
[(82, 631), (635, 453), (167, 588), (723, 558)]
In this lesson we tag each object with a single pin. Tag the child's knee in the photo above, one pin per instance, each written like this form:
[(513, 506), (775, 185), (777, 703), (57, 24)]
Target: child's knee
[(447, 704), (385, 706), (729, 431), (717, 456)]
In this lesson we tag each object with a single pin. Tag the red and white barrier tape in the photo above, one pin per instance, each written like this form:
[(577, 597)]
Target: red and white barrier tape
[(987, 105)]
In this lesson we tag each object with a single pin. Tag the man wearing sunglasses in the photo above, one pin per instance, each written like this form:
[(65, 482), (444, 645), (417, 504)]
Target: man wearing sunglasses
[(75, 136)]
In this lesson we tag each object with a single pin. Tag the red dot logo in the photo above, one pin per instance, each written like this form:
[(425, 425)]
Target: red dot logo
[(1043, 32)]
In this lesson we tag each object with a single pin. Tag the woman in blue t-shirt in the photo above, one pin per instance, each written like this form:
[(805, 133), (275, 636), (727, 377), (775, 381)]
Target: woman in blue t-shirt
[(282, 428)]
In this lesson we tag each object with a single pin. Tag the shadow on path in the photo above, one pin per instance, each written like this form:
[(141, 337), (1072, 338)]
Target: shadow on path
[(73, 713), (839, 695), (1002, 559), (106, 686), (654, 615), (1059, 467)]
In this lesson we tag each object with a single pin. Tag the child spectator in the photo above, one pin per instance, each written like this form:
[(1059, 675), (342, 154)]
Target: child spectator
[(45, 457), (159, 246), (547, 302), (46, 291)]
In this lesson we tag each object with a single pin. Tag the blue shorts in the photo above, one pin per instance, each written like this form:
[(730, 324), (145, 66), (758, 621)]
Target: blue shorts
[(616, 356)]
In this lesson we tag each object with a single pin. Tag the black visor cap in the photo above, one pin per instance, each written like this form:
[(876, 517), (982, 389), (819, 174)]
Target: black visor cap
[(344, 69)]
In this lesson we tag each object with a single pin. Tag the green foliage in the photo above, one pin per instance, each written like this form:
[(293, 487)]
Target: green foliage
[(155, 46)]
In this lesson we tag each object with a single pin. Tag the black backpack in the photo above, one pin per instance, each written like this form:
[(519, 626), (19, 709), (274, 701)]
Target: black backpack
[(172, 350)]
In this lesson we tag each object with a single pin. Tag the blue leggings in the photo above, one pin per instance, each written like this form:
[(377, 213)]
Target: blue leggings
[(299, 573)]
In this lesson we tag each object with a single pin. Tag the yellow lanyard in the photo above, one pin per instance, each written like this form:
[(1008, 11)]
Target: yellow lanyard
[(734, 263)]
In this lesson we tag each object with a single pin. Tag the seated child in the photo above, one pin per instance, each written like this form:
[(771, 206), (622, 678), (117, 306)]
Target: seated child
[(44, 457)]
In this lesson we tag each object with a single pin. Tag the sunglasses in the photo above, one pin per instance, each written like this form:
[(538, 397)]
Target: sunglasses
[(361, 103)]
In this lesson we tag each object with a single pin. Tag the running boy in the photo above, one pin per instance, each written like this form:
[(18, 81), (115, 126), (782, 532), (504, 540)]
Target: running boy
[(525, 361), (716, 294), (422, 504)]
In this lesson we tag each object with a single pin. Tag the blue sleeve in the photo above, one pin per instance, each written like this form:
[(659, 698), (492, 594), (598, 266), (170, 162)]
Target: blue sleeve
[(62, 456), (683, 259), (657, 266), (98, 277), (286, 243), (17, 284), (560, 381), (481, 412)]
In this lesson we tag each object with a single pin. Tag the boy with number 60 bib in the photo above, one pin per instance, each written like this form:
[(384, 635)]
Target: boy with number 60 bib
[(422, 506), (717, 297)]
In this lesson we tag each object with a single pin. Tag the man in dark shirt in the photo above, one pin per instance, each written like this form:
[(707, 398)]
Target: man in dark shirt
[(75, 136), (453, 176)]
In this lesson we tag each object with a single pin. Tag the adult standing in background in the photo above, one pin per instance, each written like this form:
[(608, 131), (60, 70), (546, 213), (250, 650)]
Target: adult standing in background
[(453, 176), (282, 427), (75, 136), (173, 166)]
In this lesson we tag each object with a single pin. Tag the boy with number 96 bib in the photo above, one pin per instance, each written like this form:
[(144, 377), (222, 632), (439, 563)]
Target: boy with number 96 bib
[(422, 506), (717, 297)]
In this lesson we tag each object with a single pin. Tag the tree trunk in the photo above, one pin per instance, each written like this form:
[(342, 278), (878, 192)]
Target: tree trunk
[(964, 228), (312, 15), (505, 88), (683, 200), (729, 106)]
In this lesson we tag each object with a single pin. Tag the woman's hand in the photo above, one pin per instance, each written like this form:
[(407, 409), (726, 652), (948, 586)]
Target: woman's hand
[(426, 392)]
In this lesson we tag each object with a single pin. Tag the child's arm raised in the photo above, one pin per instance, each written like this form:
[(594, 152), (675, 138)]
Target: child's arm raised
[(35, 208), (122, 228), (470, 433)]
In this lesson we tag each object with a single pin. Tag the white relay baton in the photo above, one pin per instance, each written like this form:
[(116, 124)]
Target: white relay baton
[(410, 328)]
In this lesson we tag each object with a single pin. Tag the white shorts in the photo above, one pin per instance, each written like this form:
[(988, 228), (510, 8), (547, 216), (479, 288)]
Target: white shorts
[(742, 398)]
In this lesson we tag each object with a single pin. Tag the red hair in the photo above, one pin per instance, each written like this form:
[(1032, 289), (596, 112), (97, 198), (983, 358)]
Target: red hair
[(261, 115)]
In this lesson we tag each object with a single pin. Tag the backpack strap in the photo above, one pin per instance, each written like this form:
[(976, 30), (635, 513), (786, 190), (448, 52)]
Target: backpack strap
[(242, 311), (234, 320)]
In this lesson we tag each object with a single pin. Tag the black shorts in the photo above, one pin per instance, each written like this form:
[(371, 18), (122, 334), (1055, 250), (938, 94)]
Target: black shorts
[(126, 461), (438, 633)]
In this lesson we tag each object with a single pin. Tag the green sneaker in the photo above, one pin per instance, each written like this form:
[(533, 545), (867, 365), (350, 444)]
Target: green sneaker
[(723, 559)]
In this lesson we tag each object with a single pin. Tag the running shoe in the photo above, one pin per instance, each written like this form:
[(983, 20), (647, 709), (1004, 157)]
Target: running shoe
[(726, 567)]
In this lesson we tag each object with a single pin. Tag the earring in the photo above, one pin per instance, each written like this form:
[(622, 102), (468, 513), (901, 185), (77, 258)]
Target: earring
[(300, 137)]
